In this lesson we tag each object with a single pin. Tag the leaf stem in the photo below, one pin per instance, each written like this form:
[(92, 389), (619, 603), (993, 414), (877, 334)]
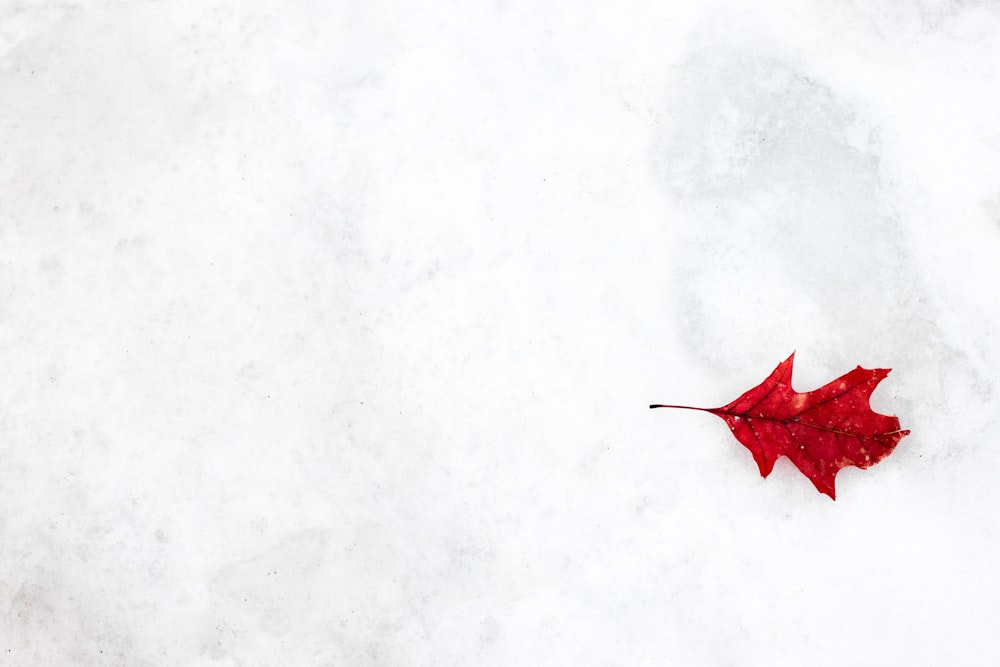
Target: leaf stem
[(681, 407)]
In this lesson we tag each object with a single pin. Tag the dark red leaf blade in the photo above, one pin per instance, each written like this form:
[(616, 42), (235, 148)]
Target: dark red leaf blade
[(820, 431)]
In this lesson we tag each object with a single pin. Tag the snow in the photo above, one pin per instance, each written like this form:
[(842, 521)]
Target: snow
[(328, 330)]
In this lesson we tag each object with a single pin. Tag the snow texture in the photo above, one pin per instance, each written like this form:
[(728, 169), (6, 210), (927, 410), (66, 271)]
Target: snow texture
[(328, 330)]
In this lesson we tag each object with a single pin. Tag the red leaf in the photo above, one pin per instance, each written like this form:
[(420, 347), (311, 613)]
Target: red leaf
[(821, 431)]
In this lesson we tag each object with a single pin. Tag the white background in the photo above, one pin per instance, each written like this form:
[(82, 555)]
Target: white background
[(327, 330)]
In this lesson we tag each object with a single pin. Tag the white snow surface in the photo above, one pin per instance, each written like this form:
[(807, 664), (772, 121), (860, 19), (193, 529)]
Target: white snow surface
[(328, 330)]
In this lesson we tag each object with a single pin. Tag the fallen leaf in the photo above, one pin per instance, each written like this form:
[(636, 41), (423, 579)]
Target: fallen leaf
[(821, 431)]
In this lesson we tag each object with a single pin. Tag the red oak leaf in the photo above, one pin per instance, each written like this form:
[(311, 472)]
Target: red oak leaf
[(821, 431)]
